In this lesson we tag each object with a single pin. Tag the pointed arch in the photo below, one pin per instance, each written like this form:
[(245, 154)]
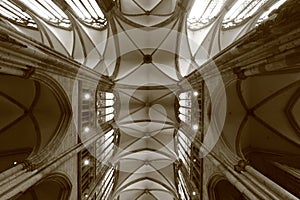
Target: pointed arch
[(38, 114)]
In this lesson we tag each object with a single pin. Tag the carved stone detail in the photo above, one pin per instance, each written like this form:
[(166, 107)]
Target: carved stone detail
[(241, 166)]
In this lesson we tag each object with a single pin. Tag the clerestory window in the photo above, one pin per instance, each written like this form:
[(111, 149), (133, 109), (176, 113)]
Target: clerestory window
[(89, 12), (203, 12), (49, 11), (105, 109), (14, 13), (241, 11), (269, 11)]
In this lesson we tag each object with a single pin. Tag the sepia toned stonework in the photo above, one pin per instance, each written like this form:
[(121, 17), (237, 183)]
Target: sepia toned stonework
[(149, 100)]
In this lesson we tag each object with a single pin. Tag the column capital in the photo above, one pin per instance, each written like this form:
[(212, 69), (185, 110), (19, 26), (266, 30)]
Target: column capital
[(241, 166), (239, 73)]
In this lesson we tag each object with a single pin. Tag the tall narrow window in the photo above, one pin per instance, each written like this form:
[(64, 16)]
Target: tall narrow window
[(104, 149), (87, 109), (87, 170), (48, 11), (89, 12), (184, 149), (185, 103), (105, 109), (203, 12), (182, 187), (190, 108), (108, 183), (14, 13)]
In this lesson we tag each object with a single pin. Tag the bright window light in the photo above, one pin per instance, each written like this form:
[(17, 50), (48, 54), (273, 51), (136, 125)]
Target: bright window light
[(184, 95), (182, 110), (109, 102), (203, 12), (266, 14), (195, 127), (13, 12), (185, 103), (109, 110), (86, 162), (182, 117), (109, 117), (97, 9), (240, 11), (48, 10), (88, 11), (87, 96), (86, 129), (109, 95)]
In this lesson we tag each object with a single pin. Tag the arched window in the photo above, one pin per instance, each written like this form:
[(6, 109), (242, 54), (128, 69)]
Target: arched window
[(14, 13), (241, 11), (49, 11), (204, 12), (89, 12)]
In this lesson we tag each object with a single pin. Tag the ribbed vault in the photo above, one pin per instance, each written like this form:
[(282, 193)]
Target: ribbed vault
[(145, 75), (146, 48), (146, 151)]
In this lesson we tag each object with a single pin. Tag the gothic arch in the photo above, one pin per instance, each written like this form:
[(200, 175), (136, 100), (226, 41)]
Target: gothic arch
[(219, 188), (56, 186), (37, 115), (265, 131)]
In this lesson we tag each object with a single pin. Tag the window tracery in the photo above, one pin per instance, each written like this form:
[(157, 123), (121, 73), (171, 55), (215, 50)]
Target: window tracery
[(185, 103), (269, 11), (15, 14), (105, 109), (89, 12), (182, 187), (49, 11), (184, 149), (204, 12), (241, 11)]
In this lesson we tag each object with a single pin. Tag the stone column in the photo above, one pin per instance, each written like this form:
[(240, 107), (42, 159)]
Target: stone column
[(23, 180), (232, 177), (253, 182), (269, 184)]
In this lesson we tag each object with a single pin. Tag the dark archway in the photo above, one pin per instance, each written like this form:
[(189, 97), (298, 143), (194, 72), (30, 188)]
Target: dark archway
[(34, 119), (262, 125), (221, 189), (54, 187)]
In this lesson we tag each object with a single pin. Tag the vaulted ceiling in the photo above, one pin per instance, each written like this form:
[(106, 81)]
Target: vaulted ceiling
[(146, 48)]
